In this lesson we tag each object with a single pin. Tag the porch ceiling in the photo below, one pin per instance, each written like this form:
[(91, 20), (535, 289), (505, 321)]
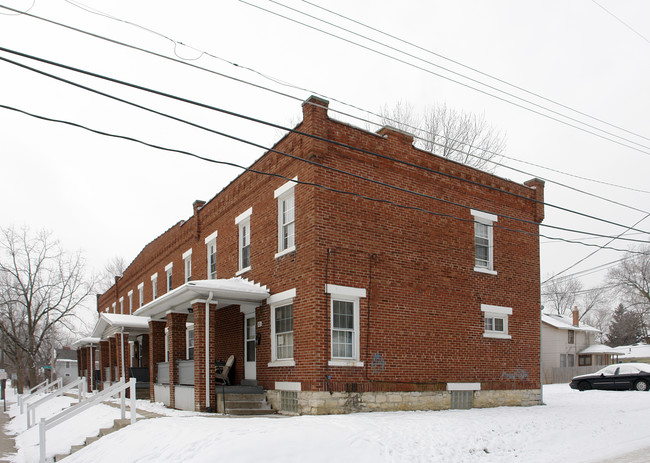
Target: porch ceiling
[(225, 292)]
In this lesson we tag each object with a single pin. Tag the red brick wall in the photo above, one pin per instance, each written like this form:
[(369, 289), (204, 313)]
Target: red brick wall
[(421, 320)]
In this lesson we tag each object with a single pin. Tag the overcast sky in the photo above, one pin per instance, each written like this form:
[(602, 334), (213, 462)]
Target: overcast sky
[(110, 197)]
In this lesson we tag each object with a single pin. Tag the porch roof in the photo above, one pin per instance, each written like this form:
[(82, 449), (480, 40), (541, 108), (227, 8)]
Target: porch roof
[(601, 349), (111, 323), (224, 292), (84, 342)]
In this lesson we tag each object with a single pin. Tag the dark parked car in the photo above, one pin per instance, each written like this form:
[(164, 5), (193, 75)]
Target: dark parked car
[(621, 376)]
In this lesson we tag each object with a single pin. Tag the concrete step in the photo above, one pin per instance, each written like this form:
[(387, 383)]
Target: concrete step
[(246, 404), (249, 411)]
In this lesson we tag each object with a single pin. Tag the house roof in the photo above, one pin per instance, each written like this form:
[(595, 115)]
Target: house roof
[(565, 322), (66, 354), (110, 323), (84, 342), (224, 292), (601, 349), (640, 350)]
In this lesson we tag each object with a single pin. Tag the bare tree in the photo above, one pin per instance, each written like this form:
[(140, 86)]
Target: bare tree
[(447, 132), (631, 278), (41, 289), (113, 268), (561, 295)]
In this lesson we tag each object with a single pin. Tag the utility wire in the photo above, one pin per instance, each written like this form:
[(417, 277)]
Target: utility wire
[(469, 86), (248, 169), (621, 21), (245, 82), (474, 69), (343, 145)]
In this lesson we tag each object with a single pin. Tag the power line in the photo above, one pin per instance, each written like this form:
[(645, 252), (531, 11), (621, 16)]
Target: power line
[(242, 81), (466, 85), (343, 145), (621, 21), (248, 169)]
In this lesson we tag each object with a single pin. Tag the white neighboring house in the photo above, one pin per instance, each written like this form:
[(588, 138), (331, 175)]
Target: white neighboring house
[(569, 348), (65, 365), (639, 352)]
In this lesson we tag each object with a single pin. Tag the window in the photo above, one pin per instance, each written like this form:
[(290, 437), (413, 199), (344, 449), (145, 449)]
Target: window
[(187, 263), (584, 360), (190, 342), (571, 337), (122, 305), (571, 360), (282, 328), (344, 322), (168, 275), (166, 344), (562, 360), (154, 286), (140, 294), (243, 221), (211, 243), (114, 304), (495, 321), (286, 217), (483, 241), (130, 294)]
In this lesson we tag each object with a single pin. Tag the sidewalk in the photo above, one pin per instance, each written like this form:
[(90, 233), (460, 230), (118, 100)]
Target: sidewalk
[(6, 442)]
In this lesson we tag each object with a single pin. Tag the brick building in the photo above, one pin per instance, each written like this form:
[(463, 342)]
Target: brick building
[(411, 284)]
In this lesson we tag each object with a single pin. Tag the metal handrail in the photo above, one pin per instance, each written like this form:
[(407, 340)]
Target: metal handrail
[(31, 407), (47, 387), (68, 413)]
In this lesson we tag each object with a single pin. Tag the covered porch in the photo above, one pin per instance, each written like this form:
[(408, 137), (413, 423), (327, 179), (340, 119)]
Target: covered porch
[(87, 360), (193, 327)]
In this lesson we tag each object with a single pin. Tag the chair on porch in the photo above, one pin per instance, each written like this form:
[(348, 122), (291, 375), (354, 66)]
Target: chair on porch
[(222, 372)]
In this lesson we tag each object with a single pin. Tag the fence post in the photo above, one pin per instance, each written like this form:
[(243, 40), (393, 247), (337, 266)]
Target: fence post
[(132, 393), (41, 440)]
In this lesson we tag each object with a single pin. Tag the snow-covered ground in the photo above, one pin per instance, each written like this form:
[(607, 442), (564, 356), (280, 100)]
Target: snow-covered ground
[(572, 426)]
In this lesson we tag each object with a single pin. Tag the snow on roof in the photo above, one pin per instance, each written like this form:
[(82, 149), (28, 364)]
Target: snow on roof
[(639, 350), (601, 349), (113, 320), (565, 322), (84, 342)]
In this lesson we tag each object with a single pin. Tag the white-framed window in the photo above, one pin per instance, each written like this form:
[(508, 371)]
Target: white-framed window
[(114, 305), (344, 324), (168, 275), (495, 321), (122, 305), (211, 249), (571, 360), (281, 305), (484, 241), (166, 344), (154, 285), (140, 295), (189, 341), (130, 294), (187, 263), (286, 217), (243, 221)]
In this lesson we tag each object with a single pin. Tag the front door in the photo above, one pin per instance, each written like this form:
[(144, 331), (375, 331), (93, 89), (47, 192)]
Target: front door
[(249, 347)]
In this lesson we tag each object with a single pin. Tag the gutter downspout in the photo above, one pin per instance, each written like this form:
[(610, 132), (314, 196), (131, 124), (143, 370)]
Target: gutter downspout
[(207, 350)]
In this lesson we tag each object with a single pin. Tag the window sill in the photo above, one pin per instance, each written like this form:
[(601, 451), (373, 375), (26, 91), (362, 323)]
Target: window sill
[(485, 270), (285, 252), (282, 363), (242, 271), (497, 335), (344, 363)]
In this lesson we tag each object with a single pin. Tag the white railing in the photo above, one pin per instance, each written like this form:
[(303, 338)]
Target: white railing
[(119, 387), (28, 393), (31, 407), (40, 388)]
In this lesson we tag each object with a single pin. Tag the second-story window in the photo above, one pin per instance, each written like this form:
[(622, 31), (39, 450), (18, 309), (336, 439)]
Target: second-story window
[(243, 221), (154, 286), (211, 249), (140, 295), (483, 241), (122, 305), (286, 217), (571, 337), (130, 302), (168, 275), (187, 263)]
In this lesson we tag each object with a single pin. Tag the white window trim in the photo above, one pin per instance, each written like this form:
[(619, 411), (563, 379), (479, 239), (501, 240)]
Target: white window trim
[(211, 237), (498, 312), (187, 253), (114, 306), (487, 219), (168, 267), (346, 294), (154, 286), (167, 345), (187, 258), (279, 300), (241, 220), (463, 386), (130, 294), (122, 305), (279, 194), (211, 240), (189, 327), (141, 294), (154, 276), (288, 386)]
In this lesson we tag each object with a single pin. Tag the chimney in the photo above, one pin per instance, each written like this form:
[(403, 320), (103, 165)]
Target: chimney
[(198, 204), (576, 316)]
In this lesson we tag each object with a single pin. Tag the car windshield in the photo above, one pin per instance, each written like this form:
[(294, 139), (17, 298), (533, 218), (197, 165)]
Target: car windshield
[(608, 371)]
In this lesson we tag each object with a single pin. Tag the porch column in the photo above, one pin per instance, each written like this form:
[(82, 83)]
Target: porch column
[(90, 360), (112, 361), (104, 361), (123, 356), (144, 351), (177, 348), (200, 356), (156, 352), (79, 360)]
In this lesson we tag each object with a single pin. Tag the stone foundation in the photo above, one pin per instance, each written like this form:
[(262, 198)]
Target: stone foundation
[(324, 403)]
